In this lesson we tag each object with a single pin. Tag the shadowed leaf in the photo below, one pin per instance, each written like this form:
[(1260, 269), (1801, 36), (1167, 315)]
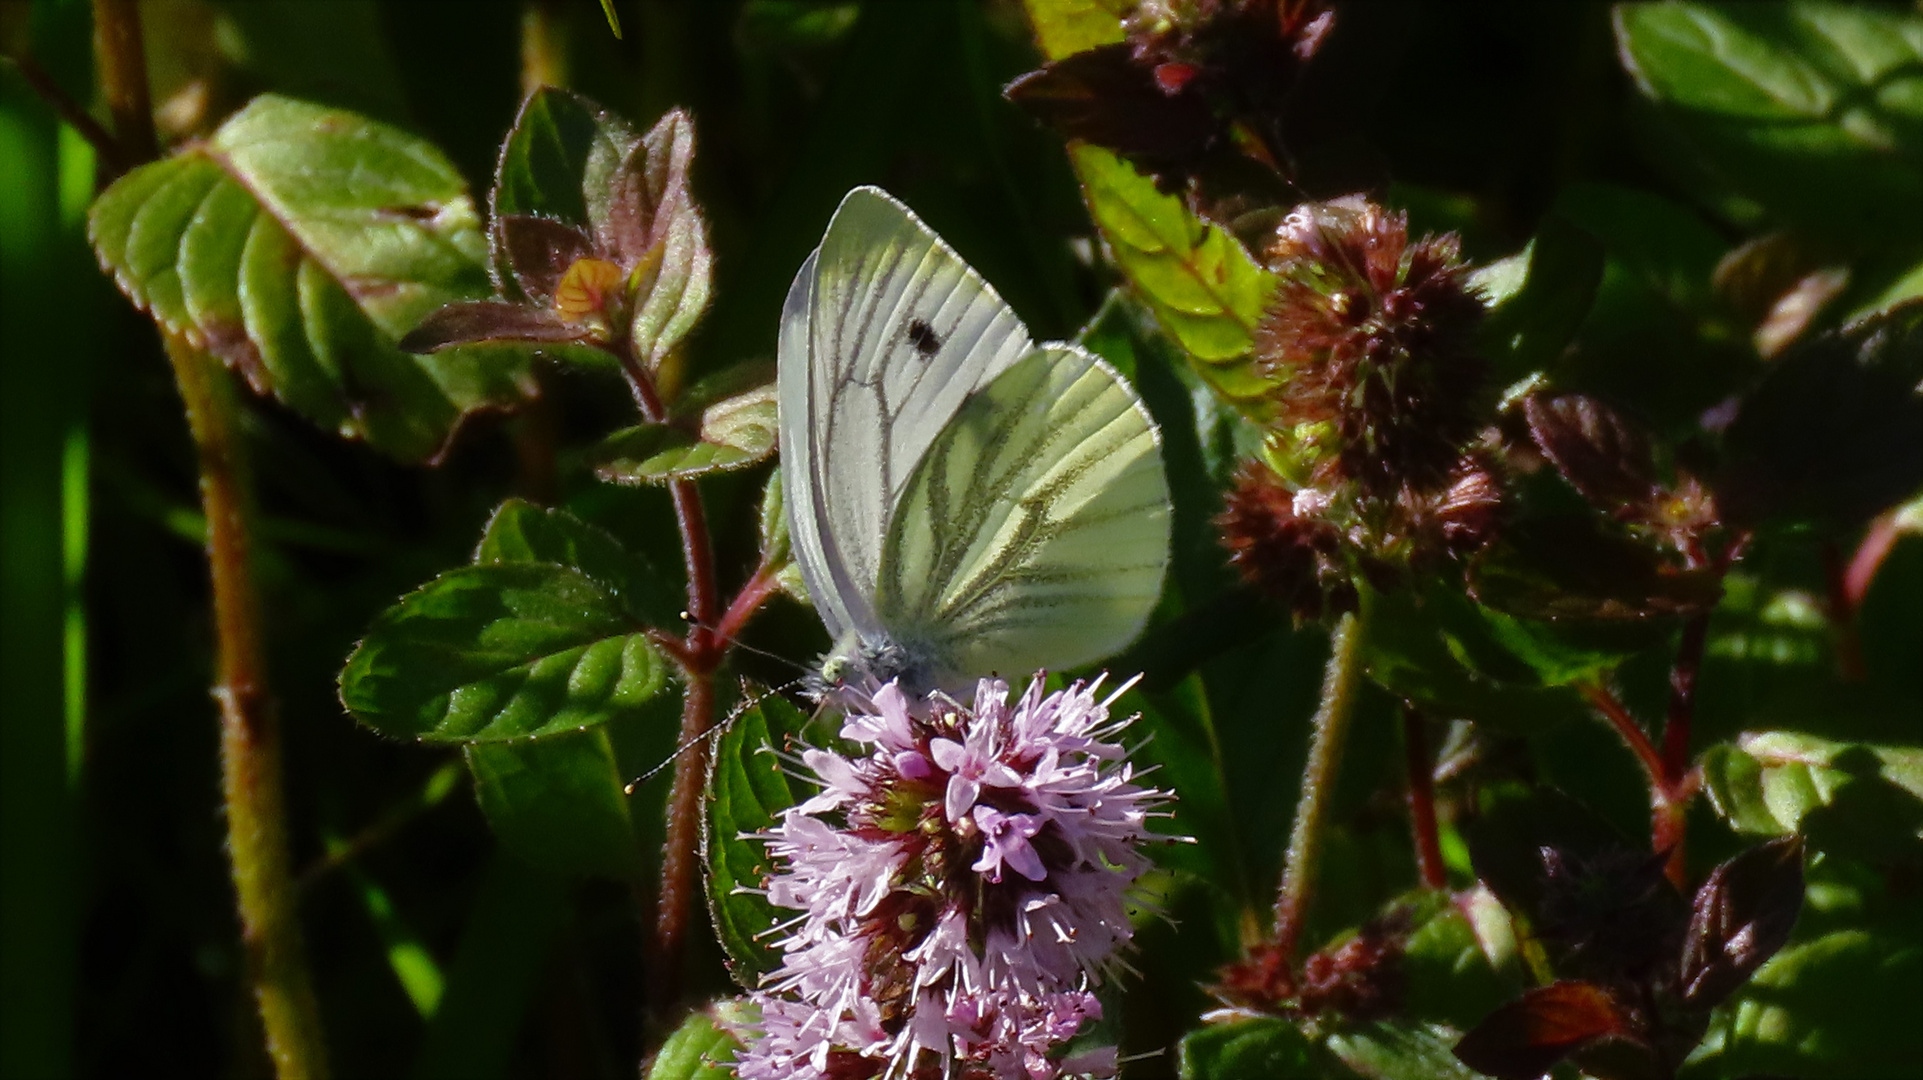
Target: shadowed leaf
[(747, 792), (472, 321), (1600, 453), (1569, 568), (1740, 917)]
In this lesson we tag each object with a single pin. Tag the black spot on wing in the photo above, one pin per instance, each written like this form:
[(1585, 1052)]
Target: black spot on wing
[(923, 337)]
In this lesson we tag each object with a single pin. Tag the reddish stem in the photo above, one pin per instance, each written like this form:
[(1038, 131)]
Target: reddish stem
[(748, 601), (121, 55), (1422, 798), (1877, 542), (1842, 616), (1632, 732)]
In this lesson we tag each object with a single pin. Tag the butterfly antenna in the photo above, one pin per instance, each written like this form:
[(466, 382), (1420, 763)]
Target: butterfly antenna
[(748, 701), (800, 669)]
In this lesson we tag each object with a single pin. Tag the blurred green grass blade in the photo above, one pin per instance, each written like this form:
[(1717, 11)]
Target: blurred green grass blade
[(415, 967), (493, 974), (614, 19), (38, 273)]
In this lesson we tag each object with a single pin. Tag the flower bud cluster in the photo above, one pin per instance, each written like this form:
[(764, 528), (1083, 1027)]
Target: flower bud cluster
[(962, 887), (1370, 342)]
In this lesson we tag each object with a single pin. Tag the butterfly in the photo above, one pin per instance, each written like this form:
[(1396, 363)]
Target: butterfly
[(961, 500)]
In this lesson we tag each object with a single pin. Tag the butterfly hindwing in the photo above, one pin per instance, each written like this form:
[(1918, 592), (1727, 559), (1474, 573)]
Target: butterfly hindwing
[(1034, 531)]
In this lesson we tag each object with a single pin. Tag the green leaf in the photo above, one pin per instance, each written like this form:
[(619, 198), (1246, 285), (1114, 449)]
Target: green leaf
[(488, 653), (1203, 287), (1814, 110), (1840, 1007), (1833, 433), (1537, 299), (614, 19), (558, 802), (520, 531), (496, 967), (559, 160), (776, 552), (1400, 1050), (1568, 568), (1064, 27), (733, 434), (698, 1050), (299, 244), (1455, 659), (677, 269), (1179, 740), (1451, 978), (1853, 799), (1246, 1049), (747, 792), (407, 956)]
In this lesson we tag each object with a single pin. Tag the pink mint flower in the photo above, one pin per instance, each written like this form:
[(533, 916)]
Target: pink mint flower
[(961, 883)]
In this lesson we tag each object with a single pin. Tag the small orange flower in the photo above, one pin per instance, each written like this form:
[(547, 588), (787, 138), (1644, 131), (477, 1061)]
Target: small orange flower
[(586, 288)]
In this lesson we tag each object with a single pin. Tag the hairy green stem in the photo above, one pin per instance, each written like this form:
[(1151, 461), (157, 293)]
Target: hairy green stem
[(250, 746), (1340, 683)]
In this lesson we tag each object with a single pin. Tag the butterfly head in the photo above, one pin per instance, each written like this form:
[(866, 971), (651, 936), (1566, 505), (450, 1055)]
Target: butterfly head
[(859, 665)]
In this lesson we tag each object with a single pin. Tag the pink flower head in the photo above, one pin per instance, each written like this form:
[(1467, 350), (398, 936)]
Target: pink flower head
[(962, 885)]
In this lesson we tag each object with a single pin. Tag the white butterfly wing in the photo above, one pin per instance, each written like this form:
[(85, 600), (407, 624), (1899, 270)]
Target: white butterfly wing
[(1035, 531), (885, 333)]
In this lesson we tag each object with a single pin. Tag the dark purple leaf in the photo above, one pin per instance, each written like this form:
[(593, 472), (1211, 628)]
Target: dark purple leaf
[(652, 176), (539, 250), (1741, 916), (1598, 450), (487, 320), (1523, 1039)]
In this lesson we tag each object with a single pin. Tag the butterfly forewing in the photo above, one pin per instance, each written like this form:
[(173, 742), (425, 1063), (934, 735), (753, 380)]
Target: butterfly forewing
[(885, 333), (1034, 532)]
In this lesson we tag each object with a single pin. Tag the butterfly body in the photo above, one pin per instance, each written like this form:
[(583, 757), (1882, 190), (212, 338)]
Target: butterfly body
[(962, 501)]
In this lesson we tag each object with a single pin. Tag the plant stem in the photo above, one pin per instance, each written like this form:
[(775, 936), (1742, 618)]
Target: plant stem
[(1842, 616), (1422, 798), (1340, 683), (544, 54), (121, 58), (1626, 726), (748, 601), (106, 150), (1882, 536), (250, 748)]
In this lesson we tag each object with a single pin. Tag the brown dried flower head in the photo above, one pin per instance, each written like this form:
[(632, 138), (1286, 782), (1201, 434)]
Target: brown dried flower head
[(1373, 336), (1291, 557)]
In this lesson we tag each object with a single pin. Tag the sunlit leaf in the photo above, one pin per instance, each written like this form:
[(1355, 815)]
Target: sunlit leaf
[(505, 651), (1063, 27), (1836, 1007), (733, 434), (1852, 799), (1399, 1050), (1203, 287), (698, 1050), (1270, 1046), (299, 244), (1522, 1039)]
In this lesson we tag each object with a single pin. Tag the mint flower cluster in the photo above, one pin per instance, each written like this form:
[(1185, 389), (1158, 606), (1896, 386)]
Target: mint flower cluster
[(962, 887)]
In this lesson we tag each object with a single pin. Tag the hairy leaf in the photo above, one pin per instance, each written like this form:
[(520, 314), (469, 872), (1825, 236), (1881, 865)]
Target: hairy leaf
[(1849, 799), (653, 217), (1598, 450), (507, 651), (733, 434), (1558, 568), (299, 244), (698, 1050), (1740, 917), (747, 792), (522, 532)]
